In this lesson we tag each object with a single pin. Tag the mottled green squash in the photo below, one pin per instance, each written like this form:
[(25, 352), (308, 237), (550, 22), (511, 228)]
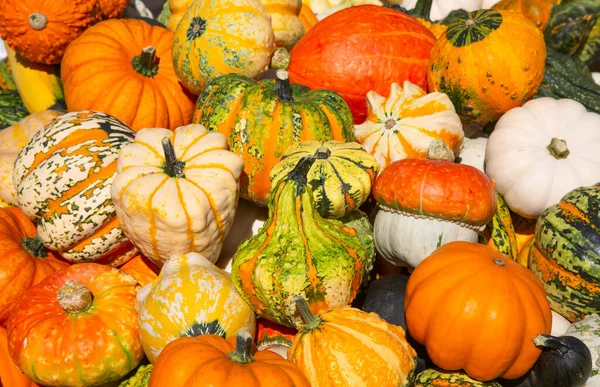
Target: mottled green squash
[(500, 233), (298, 252), (436, 378), (6, 78), (566, 253), (12, 109)]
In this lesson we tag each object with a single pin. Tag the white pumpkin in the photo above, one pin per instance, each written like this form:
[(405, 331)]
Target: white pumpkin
[(441, 8), (473, 152), (179, 203), (588, 331), (542, 150), (559, 324), (404, 124)]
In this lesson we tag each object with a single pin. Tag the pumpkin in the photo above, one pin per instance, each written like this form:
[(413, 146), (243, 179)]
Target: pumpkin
[(262, 120), (345, 346), (566, 253), (424, 204), (212, 39), (176, 192), (559, 324), (215, 361), (472, 282), (10, 374), (77, 327), (25, 260), (63, 178), (588, 331), (142, 269), (40, 31), (299, 252), (189, 279), (12, 140), (274, 337), (436, 378), (538, 11), (123, 67), (341, 176), (285, 20), (473, 152), (488, 62), (550, 139), (332, 54), (403, 125), (307, 17)]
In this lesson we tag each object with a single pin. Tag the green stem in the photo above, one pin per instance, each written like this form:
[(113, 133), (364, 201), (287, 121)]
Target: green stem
[(243, 348), (172, 167), (439, 150), (35, 246), (322, 153), (146, 63), (38, 21), (280, 59), (283, 88), (558, 148), (311, 321), (300, 171), (422, 9)]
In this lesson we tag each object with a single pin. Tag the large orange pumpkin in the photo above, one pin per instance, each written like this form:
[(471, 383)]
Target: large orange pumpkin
[(476, 309), (10, 374), (123, 67), (24, 261), (359, 49)]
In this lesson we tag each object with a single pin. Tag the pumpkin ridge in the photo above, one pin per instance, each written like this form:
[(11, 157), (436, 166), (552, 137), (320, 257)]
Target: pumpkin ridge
[(189, 234), (189, 145), (151, 149), (152, 228), (213, 208)]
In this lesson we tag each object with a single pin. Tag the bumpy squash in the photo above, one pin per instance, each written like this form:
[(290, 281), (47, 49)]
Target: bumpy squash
[(297, 252), (190, 297), (437, 378), (216, 38), (538, 11), (262, 120), (63, 178), (488, 62), (341, 176)]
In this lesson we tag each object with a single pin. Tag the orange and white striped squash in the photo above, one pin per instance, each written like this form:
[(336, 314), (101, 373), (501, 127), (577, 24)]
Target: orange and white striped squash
[(190, 297), (12, 140), (182, 202), (63, 178), (402, 125)]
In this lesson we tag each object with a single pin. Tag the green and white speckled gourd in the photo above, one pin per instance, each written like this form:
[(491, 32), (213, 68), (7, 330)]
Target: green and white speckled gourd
[(588, 331)]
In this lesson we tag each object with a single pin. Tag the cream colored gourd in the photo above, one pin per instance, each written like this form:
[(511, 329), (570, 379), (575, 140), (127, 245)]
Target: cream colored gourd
[(179, 203), (542, 150), (441, 8), (286, 24), (473, 152), (559, 324), (324, 8), (190, 297), (404, 124)]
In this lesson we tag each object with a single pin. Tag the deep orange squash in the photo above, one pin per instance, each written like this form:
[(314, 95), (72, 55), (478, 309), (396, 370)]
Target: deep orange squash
[(359, 49), (144, 270), (10, 374), (538, 11)]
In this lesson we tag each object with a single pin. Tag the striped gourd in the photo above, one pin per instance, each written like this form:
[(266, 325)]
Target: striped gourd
[(437, 378), (262, 120), (190, 297), (341, 176), (299, 252), (63, 178), (566, 253), (500, 233)]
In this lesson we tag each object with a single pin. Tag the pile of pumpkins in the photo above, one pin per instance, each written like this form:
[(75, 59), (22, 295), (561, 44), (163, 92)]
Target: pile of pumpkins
[(310, 193)]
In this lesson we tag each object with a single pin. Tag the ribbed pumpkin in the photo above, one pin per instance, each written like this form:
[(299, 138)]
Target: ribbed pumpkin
[(142, 269), (488, 62), (538, 11), (345, 346), (190, 297), (63, 178), (332, 54), (12, 140), (40, 31), (176, 192), (566, 253), (216, 38), (403, 125), (262, 120), (438, 378), (341, 176), (10, 374), (24, 261), (489, 334), (78, 327), (123, 67), (298, 252)]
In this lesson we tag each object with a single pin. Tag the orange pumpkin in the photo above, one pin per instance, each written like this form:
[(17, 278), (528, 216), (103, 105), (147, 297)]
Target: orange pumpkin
[(476, 309), (538, 11), (307, 17), (40, 31), (123, 67), (24, 261), (10, 374), (142, 269), (210, 360)]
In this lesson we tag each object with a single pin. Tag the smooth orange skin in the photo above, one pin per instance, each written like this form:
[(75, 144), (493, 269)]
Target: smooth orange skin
[(97, 74), (359, 49), (437, 188), (144, 270), (10, 374), (19, 270), (202, 362), (474, 314)]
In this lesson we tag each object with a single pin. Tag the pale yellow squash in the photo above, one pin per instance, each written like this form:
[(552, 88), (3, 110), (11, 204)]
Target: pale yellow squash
[(285, 21), (324, 8)]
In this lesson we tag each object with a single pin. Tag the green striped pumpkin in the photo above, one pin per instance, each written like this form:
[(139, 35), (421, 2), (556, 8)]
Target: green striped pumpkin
[(63, 178), (341, 176), (262, 120), (436, 378), (298, 252), (566, 253), (500, 232)]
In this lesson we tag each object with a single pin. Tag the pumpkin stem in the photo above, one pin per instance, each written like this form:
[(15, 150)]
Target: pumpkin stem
[(243, 348), (280, 59), (311, 321), (283, 89), (146, 63), (172, 167), (322, 153), (38, 21), (300, 171), (422, 9), (74, 297), (558, 148), (439, 150), (551, 343), (35, 246)]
